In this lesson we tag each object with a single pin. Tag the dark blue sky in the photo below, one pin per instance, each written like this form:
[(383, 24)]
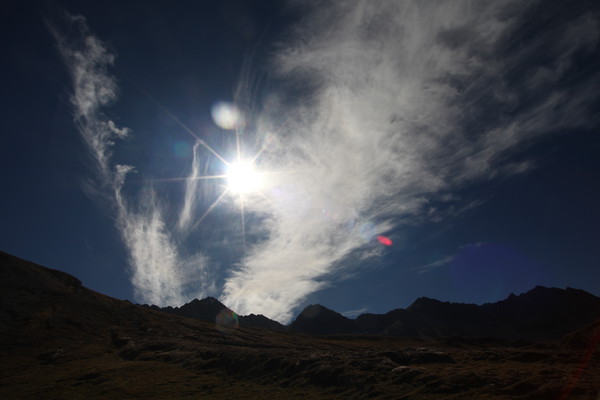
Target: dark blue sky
[(467, 134)]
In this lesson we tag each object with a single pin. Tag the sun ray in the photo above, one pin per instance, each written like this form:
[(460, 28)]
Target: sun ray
[(189, 178), (264, 196), (269, 139), (237, 145), (227, 164), (243, 222), (181, 124), (263, 148), (213, 205)]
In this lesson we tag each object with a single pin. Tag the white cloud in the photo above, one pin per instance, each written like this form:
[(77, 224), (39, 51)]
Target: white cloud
[(88, 60), (439, 263), (159, 273), (187, 212), (399, 102), (447, 259)]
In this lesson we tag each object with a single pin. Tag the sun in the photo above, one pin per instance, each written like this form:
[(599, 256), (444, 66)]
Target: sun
[(243, 178)]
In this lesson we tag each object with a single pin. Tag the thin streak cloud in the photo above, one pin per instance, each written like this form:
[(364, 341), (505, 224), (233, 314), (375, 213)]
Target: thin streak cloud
[(187, 213), (159, 273)]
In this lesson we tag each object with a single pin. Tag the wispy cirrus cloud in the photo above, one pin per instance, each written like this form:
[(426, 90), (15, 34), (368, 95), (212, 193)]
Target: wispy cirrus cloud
[(88, 61), (159, 273), (447, 259), (187, 213), (399, 103)]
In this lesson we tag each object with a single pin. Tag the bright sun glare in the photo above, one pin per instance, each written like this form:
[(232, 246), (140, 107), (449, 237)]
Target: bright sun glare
[(243, 178)]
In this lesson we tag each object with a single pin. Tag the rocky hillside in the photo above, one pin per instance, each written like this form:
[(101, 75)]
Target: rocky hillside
[(60, 340)]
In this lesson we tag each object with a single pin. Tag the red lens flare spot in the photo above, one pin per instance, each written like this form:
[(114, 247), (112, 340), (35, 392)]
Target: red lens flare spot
[(386, 241)]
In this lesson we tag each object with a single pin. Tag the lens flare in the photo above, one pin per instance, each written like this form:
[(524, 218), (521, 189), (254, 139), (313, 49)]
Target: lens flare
[(386, 241), (226, 115), (181, 149), (227, 321)]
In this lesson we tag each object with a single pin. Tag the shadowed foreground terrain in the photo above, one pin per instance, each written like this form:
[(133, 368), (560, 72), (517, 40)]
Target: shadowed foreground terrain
[(61, 340)]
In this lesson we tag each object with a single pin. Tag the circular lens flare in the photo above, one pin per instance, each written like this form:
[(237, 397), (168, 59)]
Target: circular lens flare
[(243, 178), (226, 115), (227, 321)]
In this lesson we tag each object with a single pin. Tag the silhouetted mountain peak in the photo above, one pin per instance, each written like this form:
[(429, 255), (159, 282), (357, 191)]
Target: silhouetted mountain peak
[(209, 302), (541, 292), (314, 310), (424, 303), (544, 297), (206, 309), (209, 309), (319, 319)]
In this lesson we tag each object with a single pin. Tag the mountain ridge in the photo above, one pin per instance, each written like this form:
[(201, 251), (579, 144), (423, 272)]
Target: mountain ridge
[(540, 314), (63, 340)]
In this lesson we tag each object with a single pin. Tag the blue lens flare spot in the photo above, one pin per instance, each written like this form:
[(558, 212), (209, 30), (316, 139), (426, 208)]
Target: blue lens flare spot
[(181, 149)]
